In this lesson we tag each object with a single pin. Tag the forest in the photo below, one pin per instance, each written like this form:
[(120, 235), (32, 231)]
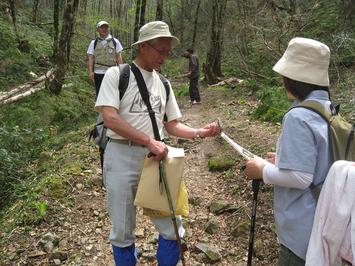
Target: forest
[(47, 104)]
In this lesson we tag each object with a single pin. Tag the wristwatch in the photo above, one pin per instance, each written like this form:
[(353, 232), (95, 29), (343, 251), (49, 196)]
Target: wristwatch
[(198, 133)]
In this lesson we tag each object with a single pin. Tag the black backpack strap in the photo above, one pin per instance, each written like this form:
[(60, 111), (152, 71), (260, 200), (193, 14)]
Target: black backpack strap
[(114, 43), (145, 96), (125, 72), (166, 85), (95, 42), (167, 91), (350, 139)]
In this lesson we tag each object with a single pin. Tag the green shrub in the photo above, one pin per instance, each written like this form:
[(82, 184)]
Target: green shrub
[(175, 66), (219, 164), (183, 90), (273, 104)]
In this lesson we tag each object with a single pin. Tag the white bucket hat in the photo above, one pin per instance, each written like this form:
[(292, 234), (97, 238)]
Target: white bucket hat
[(100, 23), (153, 30), (305, 60)]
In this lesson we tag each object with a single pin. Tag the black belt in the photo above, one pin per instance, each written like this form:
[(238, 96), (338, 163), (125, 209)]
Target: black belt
[(126, 142)]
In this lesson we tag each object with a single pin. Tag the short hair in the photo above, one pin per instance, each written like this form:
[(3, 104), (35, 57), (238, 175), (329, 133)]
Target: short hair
[(301, 89), (191, 51)]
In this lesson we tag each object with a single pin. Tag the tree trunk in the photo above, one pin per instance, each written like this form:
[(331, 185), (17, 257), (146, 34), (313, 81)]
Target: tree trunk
[(63, 53), (137, 20), (213, 59), (142, 15), (55, 27), (84, 5), (195, 25), (13, 17), (182, 24), (140, 20), (159, 13), (35, 11), (71, 28)]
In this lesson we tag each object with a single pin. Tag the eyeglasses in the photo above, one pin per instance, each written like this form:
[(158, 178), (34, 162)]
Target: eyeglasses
[(162, 53)]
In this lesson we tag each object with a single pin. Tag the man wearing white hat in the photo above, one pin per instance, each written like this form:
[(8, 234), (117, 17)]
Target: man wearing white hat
[(132, 138), (303, 156), (102, 53)]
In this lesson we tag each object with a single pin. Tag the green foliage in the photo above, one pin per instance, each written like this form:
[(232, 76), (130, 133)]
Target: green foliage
[(19, 146), (26, 132), (257, 56), (174, 66), (229, 175), (15, 66), (183, 90), (220, 164), (252, 85), (224, 88), (273, 104)]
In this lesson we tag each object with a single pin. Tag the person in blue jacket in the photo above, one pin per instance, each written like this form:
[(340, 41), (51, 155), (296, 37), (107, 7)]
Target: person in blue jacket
[(302, 156)]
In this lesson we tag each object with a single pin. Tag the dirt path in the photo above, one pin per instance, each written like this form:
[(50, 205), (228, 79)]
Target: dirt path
[(80, 231)]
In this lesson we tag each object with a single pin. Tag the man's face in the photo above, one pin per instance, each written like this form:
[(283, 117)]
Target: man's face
[(103, 30), (154, 53)]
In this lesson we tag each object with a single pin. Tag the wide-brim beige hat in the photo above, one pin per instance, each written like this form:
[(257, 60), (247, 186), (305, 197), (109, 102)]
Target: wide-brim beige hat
[(305, 60), (100, 23), (153, 30)]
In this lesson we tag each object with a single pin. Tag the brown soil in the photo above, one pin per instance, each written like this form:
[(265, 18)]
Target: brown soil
[(83, 228)]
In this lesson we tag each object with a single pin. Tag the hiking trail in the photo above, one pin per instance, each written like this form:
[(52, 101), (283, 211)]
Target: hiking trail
[(220, 201)]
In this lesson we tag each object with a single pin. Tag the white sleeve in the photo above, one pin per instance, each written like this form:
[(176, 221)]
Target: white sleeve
[(91, 48), (286, 178)]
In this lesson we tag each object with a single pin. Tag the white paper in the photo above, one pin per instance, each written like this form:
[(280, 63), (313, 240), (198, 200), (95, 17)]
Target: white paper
[(175, 152), (244, 152)]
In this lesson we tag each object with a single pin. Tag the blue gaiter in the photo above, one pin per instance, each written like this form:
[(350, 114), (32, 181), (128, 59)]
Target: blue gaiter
[(126, 256), (168, 253)]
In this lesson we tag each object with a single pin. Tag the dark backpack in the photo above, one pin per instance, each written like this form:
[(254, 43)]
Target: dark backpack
[(98, 133), (340, 134)]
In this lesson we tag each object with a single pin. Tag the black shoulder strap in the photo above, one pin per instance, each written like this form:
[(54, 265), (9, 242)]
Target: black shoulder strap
[(145, 96), (95, 42), (166, 85), (167, 90), (114, 43), (125, 72)]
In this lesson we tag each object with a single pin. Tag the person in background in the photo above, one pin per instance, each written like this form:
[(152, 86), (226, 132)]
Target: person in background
[(102, 53), (193, 74), (131, 136), (303, 157)]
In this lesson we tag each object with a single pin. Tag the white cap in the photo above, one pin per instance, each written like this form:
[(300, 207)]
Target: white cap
[(100, 23), (153, 30), (305, 60)]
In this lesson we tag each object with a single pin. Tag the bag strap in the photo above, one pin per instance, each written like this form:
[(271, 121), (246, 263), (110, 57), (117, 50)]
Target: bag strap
[(125, 71), (124, 78), (319, 109), (145, 96)]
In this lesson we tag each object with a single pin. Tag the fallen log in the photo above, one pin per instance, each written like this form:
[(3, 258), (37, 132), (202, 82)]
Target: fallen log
[(19, 96), (25, 87), (231, 82)]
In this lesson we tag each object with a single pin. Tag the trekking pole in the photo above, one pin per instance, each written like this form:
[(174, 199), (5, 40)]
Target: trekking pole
[(171, 207), (255, 185)]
